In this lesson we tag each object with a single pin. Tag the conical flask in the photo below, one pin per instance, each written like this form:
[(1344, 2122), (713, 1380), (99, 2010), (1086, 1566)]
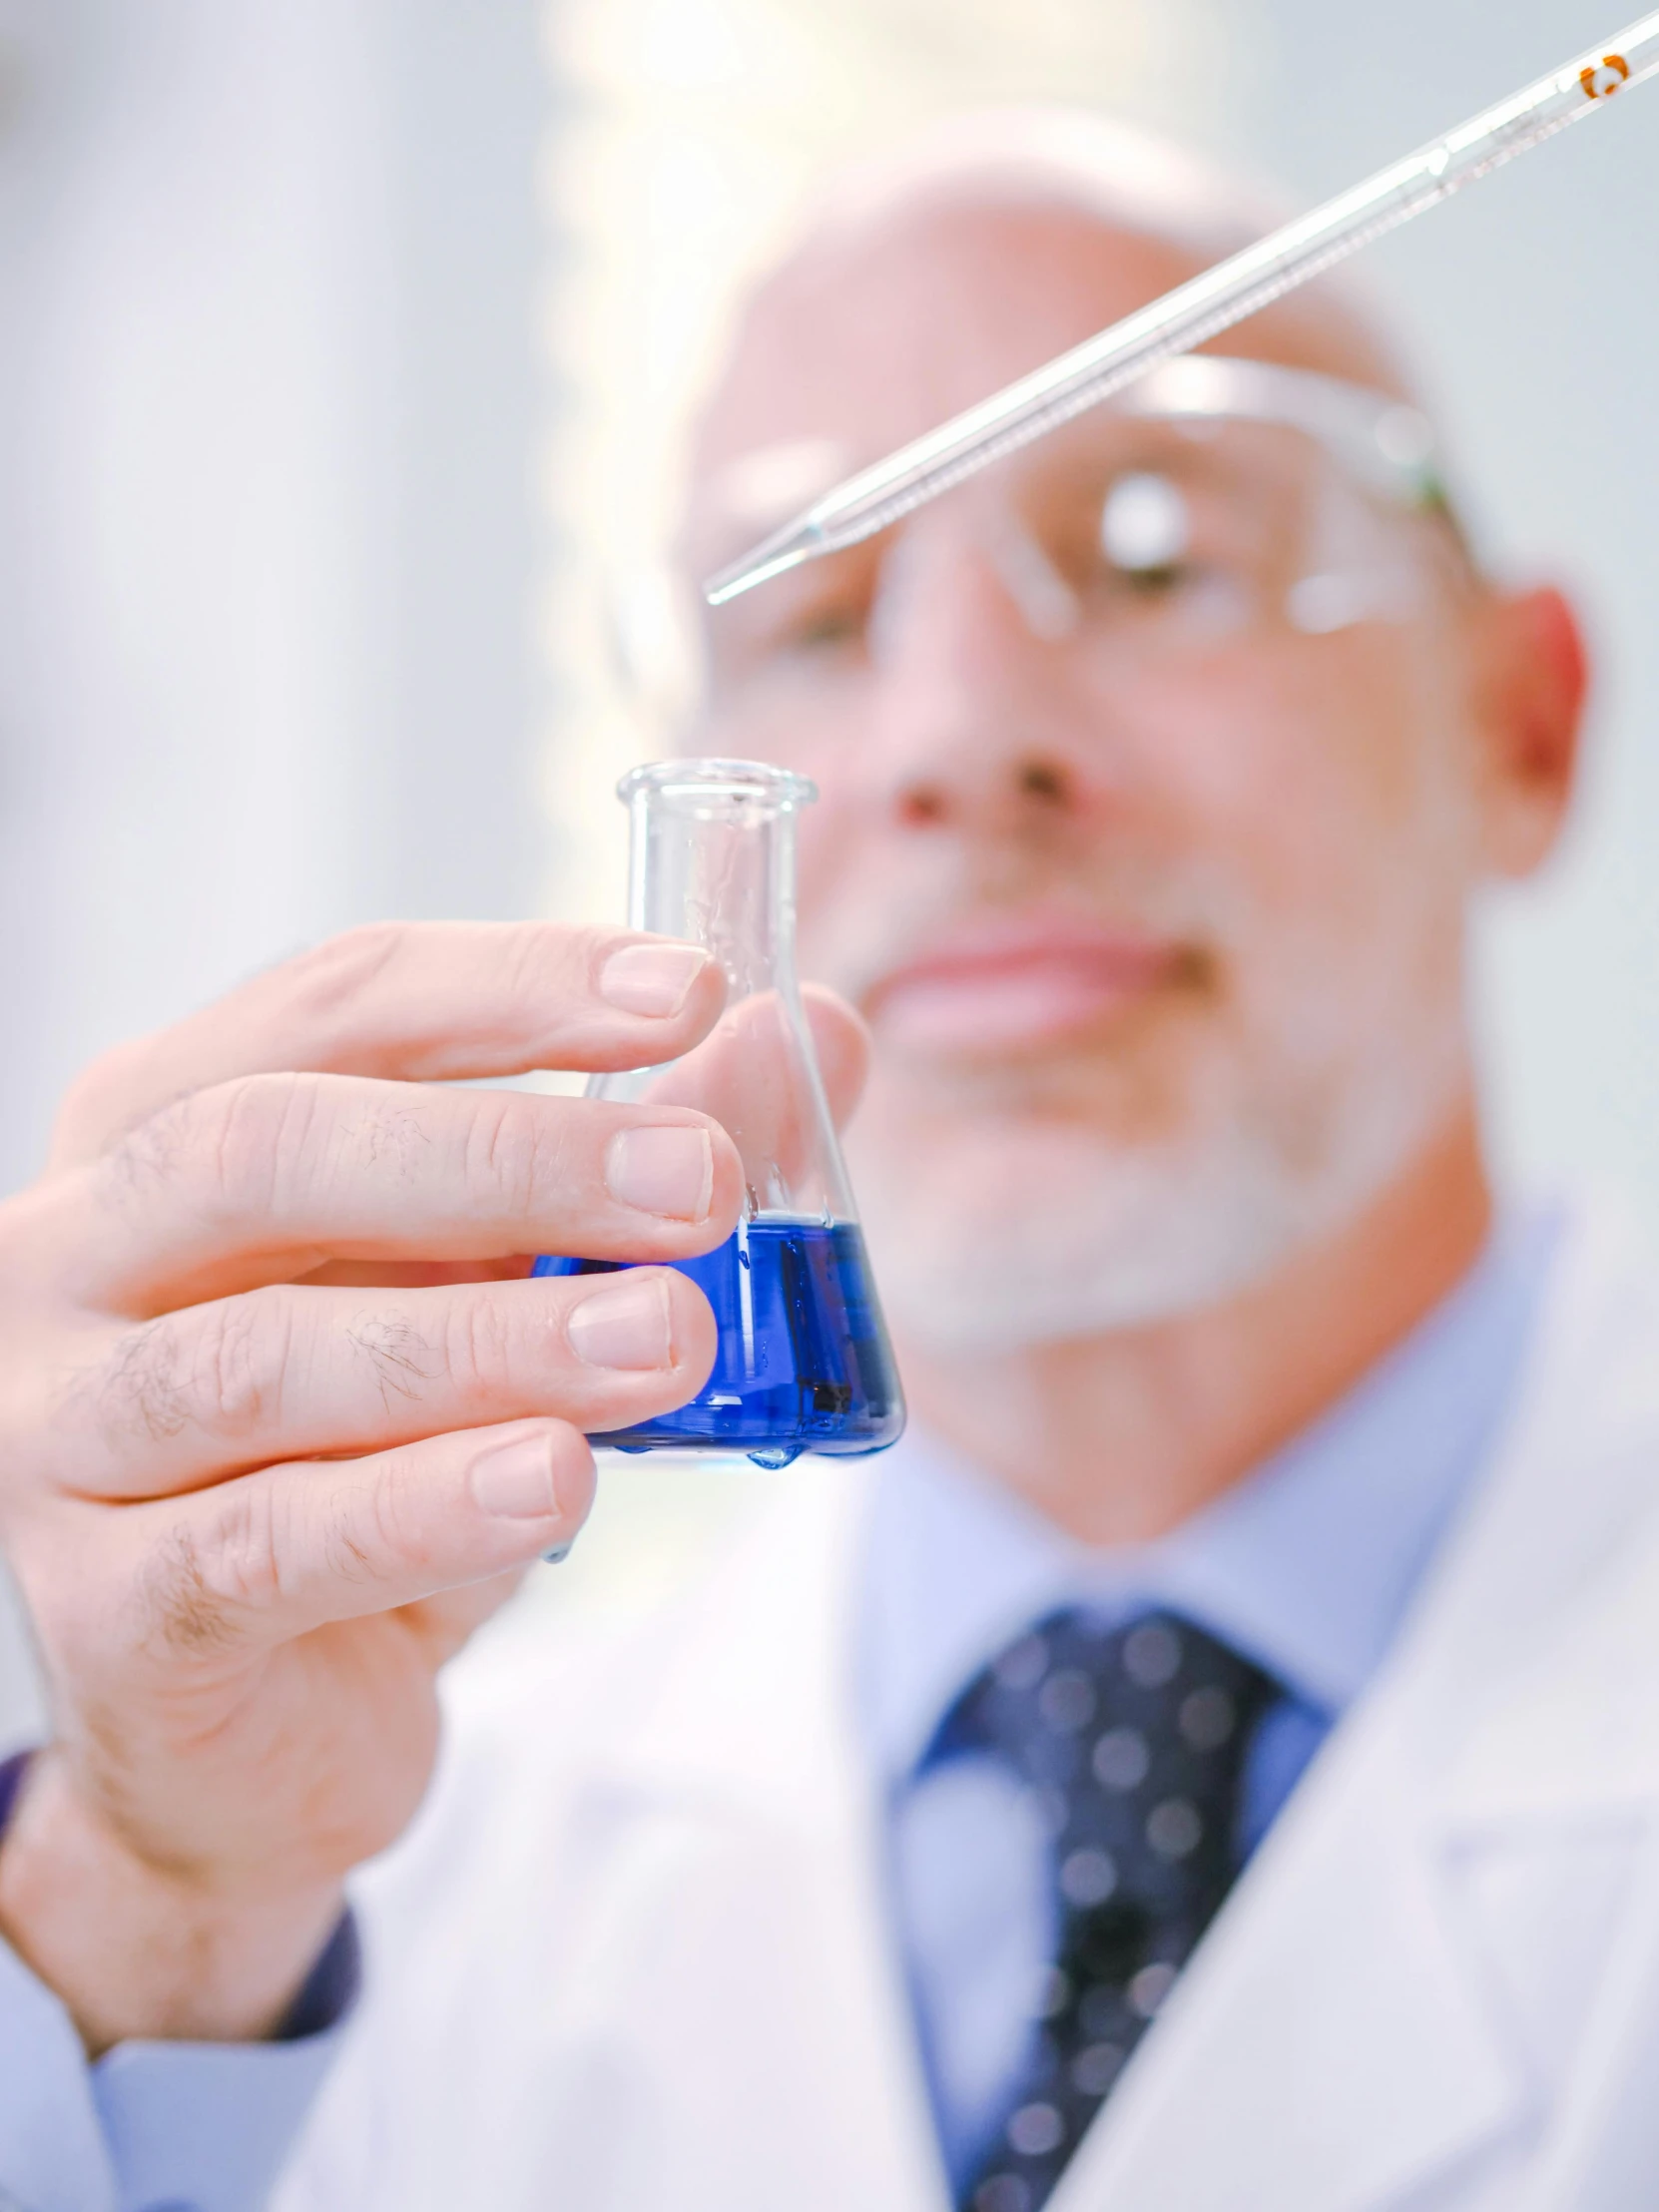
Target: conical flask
[(804, 1363)]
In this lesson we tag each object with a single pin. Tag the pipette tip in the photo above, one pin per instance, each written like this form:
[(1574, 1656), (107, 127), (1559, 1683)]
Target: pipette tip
[(785, 549)]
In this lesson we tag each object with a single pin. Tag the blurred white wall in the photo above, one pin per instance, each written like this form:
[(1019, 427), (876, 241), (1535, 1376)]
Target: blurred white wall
[(267, 532)]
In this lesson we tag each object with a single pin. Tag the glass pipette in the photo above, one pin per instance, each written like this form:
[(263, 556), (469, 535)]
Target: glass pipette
[(1196, 310)]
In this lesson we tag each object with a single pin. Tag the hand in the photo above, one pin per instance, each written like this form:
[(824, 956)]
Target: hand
[(282, 1417)]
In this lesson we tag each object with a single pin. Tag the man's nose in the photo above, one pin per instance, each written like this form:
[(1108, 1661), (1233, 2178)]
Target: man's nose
[(976, 721)]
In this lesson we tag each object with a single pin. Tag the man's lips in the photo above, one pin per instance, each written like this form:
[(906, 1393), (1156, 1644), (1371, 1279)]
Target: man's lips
[(1021, 985)]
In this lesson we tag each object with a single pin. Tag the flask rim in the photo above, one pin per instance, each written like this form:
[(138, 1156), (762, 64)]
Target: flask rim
[(700, 782)]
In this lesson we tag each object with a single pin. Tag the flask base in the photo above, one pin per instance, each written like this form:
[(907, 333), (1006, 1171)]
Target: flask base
[(804, 1363)]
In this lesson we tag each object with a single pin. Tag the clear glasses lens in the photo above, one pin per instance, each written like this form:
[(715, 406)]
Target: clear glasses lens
[(1219, 536)]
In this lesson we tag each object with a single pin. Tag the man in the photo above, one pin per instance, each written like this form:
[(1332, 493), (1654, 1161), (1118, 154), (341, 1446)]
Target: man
[(1211, 1762)]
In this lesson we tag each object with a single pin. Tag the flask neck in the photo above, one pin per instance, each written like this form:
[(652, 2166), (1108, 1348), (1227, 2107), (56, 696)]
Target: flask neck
[(713, 862)]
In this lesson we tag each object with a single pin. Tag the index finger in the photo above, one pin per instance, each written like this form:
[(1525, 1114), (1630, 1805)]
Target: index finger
[(416, 1001)]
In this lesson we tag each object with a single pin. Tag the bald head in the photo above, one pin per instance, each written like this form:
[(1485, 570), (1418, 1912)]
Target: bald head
[(926, 280)]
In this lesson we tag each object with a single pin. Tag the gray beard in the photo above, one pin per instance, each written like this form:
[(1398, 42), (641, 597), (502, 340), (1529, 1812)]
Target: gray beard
[(1119, 1237)]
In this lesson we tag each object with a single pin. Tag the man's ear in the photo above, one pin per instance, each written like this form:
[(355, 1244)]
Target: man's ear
[(1531, 675)]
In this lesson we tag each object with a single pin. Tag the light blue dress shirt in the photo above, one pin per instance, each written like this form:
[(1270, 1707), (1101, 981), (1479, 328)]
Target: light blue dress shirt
[(1308, 1568)]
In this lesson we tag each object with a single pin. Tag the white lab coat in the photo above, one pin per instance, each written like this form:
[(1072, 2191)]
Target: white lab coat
[(633, 1959)]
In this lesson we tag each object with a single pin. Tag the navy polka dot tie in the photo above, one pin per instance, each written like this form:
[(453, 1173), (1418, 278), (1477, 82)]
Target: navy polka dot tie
[(1132, 1742)]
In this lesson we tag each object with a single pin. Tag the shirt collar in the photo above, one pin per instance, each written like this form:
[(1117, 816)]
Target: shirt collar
[(1308, 1566)]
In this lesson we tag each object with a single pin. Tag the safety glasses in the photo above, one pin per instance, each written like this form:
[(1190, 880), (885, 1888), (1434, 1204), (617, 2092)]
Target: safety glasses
[(1218, 502)]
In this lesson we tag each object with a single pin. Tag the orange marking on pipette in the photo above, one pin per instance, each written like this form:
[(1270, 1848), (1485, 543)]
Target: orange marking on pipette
[(1602, 83)]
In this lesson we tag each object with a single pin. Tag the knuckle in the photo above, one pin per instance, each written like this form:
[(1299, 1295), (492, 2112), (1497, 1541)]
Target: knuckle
[(352, 1533), (371, 1528), (478, 1350), (239, 1353), (519, 1151), (152, 1153), (251, 1137), (218, 1368), (142, 1385), (201, 1594), (188, 1594), (349, 1547), (523, 954), (534, 958), (230, 1150)]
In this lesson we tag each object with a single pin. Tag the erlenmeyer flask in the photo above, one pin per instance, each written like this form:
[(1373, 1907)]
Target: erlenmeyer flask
[(804, 1363)]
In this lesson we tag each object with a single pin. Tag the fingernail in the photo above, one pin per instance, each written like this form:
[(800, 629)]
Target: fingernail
[(515, 1480), (625, 1324), (662, 1171), (651, 978), (559, 1554)]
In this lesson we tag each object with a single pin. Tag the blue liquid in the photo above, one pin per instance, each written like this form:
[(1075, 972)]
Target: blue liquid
[(804, 1363)]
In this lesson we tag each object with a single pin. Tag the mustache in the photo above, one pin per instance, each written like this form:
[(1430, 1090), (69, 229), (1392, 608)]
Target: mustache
[(1194, 907)]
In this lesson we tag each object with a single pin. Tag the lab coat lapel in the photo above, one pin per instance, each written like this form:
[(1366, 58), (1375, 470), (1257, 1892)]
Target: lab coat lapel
[(1550, 1825), (1452, 1905), (1331, 2044), (739, 1803)]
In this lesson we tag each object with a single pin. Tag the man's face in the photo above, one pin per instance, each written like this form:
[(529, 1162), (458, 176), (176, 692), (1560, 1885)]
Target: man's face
[(1161, 950)]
